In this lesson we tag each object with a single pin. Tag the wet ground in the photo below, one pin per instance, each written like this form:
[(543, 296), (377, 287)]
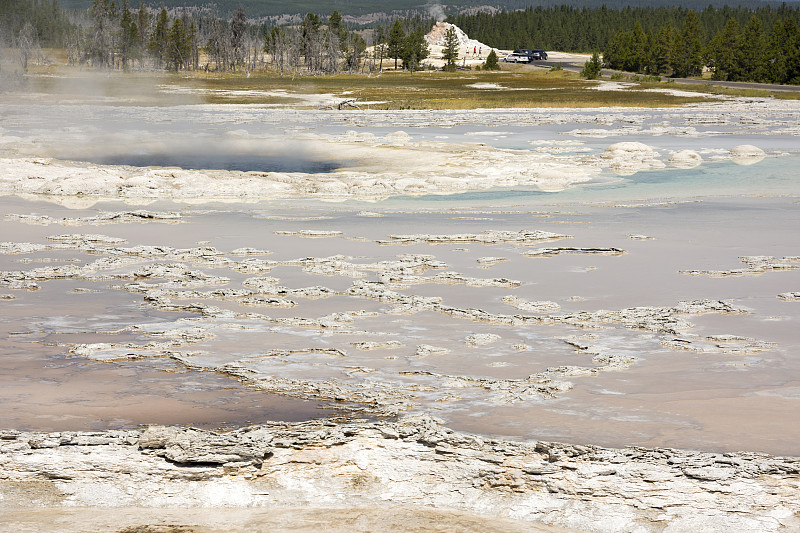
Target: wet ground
[(668, 397), (272, 520), (218, 314)]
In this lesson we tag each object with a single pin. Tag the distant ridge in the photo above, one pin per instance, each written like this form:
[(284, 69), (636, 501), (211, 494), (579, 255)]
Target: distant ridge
[(271, 8)]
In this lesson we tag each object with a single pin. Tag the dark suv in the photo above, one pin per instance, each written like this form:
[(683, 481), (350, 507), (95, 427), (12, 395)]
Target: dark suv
[(532, 54)]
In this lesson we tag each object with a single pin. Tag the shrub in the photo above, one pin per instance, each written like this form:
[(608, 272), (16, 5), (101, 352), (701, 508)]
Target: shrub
[(591, 69), (491, 62)]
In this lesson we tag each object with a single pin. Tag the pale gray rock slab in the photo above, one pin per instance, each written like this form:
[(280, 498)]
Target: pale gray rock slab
[(487, 237), (481, 339), (542, 306), (139, 215), (491, 260), (550, 252), (310, 233), (375, 345), (414, 461), (194, 446), (754, 265)]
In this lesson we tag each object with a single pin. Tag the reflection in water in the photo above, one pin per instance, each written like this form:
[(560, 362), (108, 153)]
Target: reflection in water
[(52, 391), (679, 398), (209, 159)]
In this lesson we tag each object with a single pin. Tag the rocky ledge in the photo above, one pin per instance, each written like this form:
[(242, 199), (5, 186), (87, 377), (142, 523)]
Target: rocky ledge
[(412, 462)]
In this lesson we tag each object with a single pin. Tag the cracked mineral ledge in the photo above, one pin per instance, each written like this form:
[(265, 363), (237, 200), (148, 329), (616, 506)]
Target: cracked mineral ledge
[(383, 466)]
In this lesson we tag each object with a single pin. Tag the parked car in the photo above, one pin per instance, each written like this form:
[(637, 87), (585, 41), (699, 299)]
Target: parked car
[(517, 58), (538, 54), (532, 55)]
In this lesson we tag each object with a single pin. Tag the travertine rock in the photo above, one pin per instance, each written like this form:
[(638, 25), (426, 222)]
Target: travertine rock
[(532, 307), (195, 446), (487, 237), (414, 461), (756, 264), (481, 339), (549, 252)]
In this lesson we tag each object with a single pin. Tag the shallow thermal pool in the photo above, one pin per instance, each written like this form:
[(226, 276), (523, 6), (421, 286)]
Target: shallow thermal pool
[(654, 308)]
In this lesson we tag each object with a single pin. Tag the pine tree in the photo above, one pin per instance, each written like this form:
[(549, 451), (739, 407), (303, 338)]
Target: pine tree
[(614, 55), (336, 28), (491, 61), (591, 69), (750, 54), (128, 41), (416, 50), (396, 43), (662, 50), (159, 39), (687, 54), (450, 50), (723, 49), (179, 48), (311, 47), (637, 57), (143, 17), (784, 53)]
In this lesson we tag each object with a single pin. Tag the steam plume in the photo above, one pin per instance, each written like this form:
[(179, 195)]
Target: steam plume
[(436, 11)]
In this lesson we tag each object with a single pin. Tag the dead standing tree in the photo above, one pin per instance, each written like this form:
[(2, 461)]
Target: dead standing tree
[(277, 44), (26, 45), (217, 45), (332, 53), (238, 38), (101, 44)]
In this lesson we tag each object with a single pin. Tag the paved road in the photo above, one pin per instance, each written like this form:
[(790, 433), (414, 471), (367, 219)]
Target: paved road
[(577, 67)]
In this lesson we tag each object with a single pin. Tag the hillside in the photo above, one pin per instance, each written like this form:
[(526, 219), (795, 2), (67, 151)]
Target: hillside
[(265, 8)]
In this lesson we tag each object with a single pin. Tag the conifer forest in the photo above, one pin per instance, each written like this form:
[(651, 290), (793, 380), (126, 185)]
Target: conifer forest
[(733, 43)]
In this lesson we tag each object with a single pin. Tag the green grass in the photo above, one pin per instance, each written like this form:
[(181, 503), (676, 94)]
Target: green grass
[(390, 90), (648, 82), (750, 93), (433, 90)]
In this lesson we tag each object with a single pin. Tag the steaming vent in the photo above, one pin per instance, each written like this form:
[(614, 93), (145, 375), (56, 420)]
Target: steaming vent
[(202, 154)]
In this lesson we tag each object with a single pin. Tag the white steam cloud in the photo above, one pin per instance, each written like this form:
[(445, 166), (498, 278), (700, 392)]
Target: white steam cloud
[(437, 12)]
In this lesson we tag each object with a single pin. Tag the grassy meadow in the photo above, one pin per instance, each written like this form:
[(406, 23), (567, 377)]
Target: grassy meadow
[(437, 90), (512, 87)]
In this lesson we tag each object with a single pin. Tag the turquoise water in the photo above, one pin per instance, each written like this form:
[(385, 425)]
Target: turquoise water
[(773, 176)]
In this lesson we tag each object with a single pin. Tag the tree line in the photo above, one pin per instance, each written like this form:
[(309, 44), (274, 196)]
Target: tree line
[(737, 52), (116, 36), (45, 20), (27, 25), (735, 43), (404, 41)]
